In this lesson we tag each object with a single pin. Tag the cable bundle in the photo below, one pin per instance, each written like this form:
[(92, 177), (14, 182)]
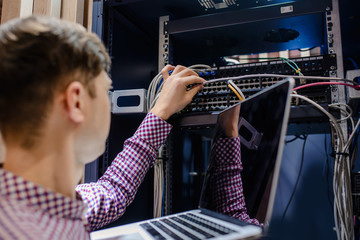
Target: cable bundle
[(157, 83), (158, 183), (343, 210), (154, 90)]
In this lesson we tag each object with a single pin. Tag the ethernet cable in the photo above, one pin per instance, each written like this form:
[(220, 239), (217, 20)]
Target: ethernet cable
[(291, 63), (158, 183), (341, 178), (157, 83), (281, 76), (288, 61), (154, 90), (356, 87), (236, 90), (347, 111), (342, 181)]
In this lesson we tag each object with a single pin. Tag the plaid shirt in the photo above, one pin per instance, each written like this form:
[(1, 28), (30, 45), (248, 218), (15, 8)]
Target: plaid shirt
[(228, 193), (28, 211), (108, 198)]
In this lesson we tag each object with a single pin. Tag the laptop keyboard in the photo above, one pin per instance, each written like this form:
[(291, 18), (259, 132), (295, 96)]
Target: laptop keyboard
[(185, 226)]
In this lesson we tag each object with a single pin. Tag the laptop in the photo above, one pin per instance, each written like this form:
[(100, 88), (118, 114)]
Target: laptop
[(262, 125)]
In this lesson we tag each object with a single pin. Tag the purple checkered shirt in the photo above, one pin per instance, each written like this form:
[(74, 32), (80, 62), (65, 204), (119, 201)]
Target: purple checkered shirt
[(28, 211), (228, 195), (108, 198)]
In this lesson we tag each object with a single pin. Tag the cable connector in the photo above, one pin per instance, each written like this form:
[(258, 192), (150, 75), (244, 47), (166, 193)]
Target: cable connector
[(236, 90)]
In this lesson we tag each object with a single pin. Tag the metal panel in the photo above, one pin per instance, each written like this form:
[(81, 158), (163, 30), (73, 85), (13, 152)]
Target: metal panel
[(130, 108), (244, 16), (352, 93), (164, 43), (335, 46), (97, 18)]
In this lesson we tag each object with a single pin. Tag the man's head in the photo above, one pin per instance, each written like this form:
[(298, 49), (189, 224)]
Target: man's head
[(41, 57)]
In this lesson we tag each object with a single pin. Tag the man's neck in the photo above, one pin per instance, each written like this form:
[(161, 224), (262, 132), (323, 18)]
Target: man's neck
[(52, 167)]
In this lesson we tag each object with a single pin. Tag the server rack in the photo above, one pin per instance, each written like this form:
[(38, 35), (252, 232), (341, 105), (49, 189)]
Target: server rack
[(173, 33), (170, 28)]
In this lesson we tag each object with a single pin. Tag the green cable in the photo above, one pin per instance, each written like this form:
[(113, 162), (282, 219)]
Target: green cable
[(286, 60)]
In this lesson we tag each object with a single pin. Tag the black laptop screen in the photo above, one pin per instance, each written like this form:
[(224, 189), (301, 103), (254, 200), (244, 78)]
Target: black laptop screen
[(260, 124)]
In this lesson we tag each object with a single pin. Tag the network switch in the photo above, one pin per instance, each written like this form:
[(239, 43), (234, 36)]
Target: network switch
[(252, 78)]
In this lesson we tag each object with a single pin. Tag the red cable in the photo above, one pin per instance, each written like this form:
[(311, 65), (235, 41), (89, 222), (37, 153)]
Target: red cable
[(357, 87)]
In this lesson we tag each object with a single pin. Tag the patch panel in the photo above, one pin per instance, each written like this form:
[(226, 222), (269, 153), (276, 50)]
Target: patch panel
[(216, 95)]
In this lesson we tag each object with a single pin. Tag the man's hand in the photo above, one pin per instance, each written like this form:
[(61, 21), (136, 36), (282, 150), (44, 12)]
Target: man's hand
[(229, 121), (175, 94)]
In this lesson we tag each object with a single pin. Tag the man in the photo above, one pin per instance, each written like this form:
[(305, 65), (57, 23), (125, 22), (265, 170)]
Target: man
[(55, 118)]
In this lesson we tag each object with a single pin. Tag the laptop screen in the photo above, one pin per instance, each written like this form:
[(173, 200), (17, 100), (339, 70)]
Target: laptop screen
[(261, 122)]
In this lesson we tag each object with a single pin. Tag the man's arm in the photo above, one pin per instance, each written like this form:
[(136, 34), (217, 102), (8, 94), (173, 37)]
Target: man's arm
[(228, 194), (115, 190), (228, 191), (108, 198)]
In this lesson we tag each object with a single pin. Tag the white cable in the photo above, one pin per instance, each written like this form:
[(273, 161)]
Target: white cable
[(153, 94), (331, 117), (279, 76), (352, 135), (341, 179), (154, 101), (348, 113), (158, 183), (157, 83), (237, 89), (153, 88)]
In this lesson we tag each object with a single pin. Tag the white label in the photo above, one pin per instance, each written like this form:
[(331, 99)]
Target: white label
[(286, 9), (220, 5)]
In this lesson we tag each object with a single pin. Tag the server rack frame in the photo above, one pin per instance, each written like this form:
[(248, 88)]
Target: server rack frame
[(167, 27)]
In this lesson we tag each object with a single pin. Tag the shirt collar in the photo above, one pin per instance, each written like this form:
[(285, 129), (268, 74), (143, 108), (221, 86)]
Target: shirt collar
[(39, 198)]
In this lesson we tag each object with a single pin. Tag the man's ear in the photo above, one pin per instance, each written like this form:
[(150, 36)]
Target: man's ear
[(75, 101)]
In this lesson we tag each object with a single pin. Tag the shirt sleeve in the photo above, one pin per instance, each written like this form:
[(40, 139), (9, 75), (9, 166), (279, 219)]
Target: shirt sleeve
[(108, 198), (228, 193)]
